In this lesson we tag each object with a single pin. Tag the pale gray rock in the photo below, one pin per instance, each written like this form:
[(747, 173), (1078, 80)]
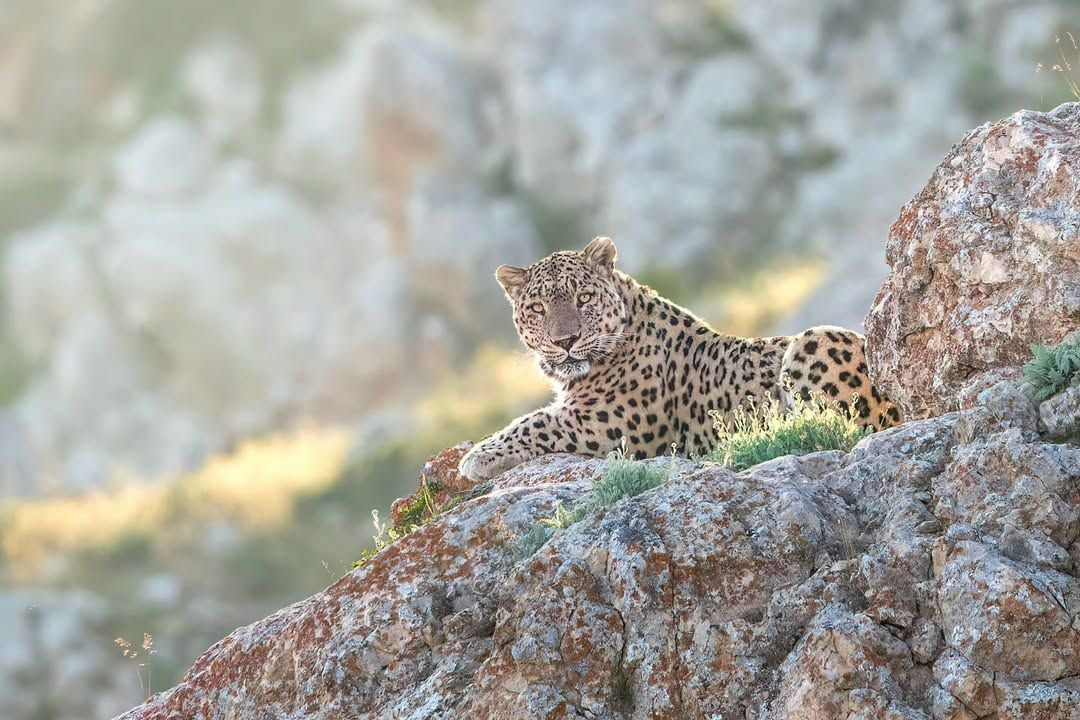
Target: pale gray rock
[(672, 192), (1011, 406), (170, 325), (454, 228), (926, 640), (580, 78), (1061, 413), (224, 80), (397, 101)]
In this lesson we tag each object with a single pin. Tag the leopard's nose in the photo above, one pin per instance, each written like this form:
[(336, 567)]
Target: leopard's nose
[(567, 342)]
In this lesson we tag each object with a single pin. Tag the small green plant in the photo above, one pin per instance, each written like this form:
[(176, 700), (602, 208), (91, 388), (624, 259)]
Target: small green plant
[(1052, 369), (755, 435), (423, 507), (564, 518), (420, 512), (534, 539), (622, 477)]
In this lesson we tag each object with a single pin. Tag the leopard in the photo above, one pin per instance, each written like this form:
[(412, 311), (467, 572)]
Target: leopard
[(634, 371)]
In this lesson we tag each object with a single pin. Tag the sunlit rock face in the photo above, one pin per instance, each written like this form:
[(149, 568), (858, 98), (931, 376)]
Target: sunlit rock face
[(928, 573), (985, 261)]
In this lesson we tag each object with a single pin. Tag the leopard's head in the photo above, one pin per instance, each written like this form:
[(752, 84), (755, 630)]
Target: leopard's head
[(568, 309)]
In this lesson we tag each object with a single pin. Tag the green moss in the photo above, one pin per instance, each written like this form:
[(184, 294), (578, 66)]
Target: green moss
[(759, 434), (1052, 369)]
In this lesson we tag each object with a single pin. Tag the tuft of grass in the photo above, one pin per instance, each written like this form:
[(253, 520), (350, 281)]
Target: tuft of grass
[(534, 539), (755, 435), (131, 653), (1065, 67), (1052, 369), (422, 511), (622, 477)]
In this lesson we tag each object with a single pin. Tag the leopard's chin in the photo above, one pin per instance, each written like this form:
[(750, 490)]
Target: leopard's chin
[(566, 371)]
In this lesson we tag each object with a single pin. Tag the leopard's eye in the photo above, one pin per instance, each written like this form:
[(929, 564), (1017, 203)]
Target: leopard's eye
[(537, 308), (584, 298)]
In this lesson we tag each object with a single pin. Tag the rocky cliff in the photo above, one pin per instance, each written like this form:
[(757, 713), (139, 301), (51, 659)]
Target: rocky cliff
[(929, 573)]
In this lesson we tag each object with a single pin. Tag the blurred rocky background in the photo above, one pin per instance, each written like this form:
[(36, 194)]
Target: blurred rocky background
[(247, 252)]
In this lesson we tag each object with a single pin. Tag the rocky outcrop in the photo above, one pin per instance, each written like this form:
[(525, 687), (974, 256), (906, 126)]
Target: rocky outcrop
[(929, 573), (985, 261)]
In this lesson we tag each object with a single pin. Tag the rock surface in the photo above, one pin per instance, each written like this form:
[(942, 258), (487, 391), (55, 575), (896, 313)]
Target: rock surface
[(985, 261), (1061, 413), (929, 573)]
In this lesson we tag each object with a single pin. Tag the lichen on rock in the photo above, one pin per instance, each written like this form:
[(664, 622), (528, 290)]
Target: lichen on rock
[(930, 572), (985, 261)]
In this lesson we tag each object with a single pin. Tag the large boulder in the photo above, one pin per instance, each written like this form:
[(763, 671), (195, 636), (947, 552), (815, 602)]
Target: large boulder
[(931, 572), (985, 261)]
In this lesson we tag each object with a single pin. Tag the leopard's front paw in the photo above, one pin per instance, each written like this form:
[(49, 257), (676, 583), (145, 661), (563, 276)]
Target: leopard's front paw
[(482, 463)]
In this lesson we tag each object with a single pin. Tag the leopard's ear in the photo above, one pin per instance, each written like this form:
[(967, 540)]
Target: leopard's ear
[(601, 254), (512, 279)]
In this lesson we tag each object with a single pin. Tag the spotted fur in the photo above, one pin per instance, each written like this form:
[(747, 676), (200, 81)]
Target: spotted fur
[(630, 366)]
